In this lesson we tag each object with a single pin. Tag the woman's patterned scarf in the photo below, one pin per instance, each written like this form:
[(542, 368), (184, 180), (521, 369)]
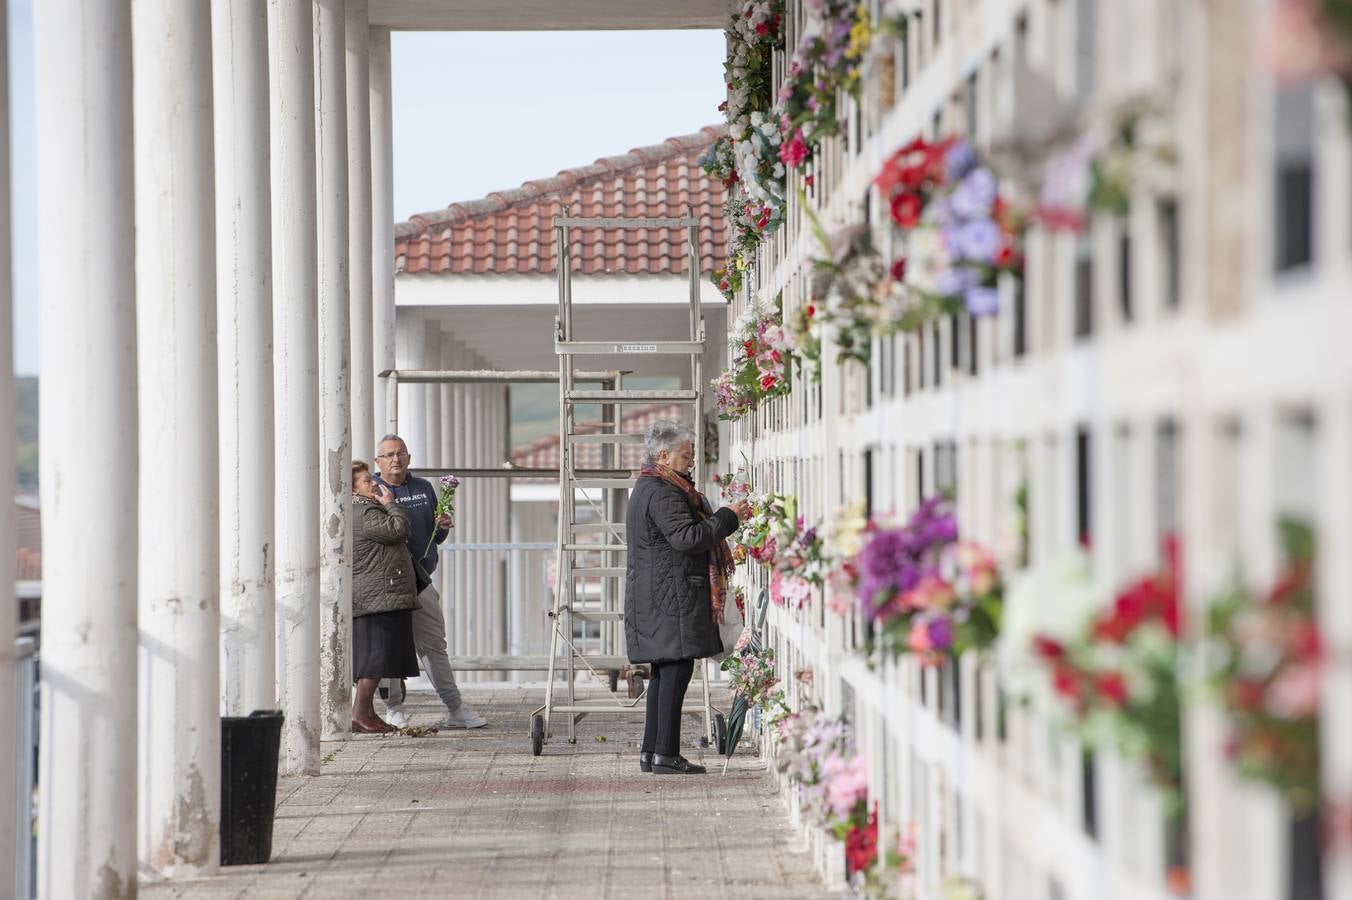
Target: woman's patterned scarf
[(721, 565)]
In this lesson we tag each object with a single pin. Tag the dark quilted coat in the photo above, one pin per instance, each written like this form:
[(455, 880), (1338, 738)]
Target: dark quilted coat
[(668, 614)]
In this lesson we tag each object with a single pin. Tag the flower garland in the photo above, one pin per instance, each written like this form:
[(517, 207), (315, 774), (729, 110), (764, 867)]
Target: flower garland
[(960, 234), (826, 62), (1118, 676), (762, 356), (746, 161), (1267, 672)]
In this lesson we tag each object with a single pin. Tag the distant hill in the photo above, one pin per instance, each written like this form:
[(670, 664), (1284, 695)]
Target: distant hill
[(26, 428), (535, 407)]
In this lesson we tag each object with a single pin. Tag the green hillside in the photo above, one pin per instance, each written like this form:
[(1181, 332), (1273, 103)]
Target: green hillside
[(26, 428)]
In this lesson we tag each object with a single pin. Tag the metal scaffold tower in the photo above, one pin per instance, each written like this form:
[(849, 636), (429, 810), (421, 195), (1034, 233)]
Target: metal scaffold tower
[(589, 585)]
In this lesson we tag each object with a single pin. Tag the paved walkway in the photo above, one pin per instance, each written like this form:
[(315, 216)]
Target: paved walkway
[(474, 815)]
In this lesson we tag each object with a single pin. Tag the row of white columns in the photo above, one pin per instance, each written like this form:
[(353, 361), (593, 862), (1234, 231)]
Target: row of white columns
[(197, 435), (454, 425)]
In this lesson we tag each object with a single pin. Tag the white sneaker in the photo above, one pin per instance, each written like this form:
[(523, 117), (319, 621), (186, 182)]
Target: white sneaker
[(464, 717), (395, 716)]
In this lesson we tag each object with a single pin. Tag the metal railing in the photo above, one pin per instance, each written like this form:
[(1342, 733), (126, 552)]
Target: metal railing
[(511, 631), (26, 740)]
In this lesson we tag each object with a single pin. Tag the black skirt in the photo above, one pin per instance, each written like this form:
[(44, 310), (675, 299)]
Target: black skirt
[(382, 646)]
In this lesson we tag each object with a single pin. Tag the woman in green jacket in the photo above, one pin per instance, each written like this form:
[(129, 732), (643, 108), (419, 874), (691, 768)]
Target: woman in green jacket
[(384, 595)]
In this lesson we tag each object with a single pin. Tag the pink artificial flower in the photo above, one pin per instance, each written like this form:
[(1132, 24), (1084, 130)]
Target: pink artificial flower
[(1294, 693), (796, 591), (793, 151), (919, 638), (777, 588), (846, 783)]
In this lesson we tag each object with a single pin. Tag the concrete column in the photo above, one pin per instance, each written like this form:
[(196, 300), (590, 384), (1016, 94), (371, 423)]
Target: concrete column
[(244, 355), (9, 788), (179, 610), (296, 369), (382, 209), (84, 141), (359, 229), (454, 598), (412, 354), (335, 346)]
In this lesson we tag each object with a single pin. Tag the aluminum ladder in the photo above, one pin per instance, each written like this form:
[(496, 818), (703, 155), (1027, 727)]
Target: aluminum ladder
[(594, 551)]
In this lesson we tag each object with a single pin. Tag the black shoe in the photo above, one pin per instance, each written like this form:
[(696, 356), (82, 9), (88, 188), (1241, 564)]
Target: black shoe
[(675, 765), (645, 761)]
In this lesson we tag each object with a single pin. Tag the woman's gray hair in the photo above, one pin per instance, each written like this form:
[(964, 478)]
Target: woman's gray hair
[(665, 435)]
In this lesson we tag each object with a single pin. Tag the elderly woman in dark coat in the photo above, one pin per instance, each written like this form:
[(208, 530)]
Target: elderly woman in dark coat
[(675, 586), (384, 595)]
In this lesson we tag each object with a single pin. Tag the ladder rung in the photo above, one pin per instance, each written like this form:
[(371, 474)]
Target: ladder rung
[(597, 615), (628, 348), (598, 571), (610, 706), (597, 662), (582, 222), (614, 528), (605, 438), (608, 484), (627, 396), (604, 548)]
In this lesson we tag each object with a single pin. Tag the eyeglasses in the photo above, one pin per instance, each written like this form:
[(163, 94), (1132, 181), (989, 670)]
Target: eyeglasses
[(398, 454)]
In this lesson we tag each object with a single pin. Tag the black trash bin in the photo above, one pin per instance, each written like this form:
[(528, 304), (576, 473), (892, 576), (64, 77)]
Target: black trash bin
[(249, 746)]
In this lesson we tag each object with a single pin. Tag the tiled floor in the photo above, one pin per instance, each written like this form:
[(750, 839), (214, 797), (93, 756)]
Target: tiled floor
[(473, 814)]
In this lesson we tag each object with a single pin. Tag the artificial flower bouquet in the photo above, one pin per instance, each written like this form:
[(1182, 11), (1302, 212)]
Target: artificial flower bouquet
[(926, 592), (1118, 675), (751, 673), (445, 505), (1267, 656), (826, 61), (960, 233), (761, 359)]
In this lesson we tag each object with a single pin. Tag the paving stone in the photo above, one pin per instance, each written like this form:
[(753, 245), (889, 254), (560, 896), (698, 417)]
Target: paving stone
[(473, 814)]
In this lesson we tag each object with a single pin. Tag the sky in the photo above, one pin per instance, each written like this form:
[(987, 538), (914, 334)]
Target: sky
[(473, 113)]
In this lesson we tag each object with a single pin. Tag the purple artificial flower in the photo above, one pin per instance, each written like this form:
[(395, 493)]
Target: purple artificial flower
[(982, 301), (885, 568), (979, 240), (959, 160), (975, 194), (955, 281), (449, 481), (941, 633)]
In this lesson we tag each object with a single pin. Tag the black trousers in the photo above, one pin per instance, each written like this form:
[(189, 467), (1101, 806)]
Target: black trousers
[(666, 695)]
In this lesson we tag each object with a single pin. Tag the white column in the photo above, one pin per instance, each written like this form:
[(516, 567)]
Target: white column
[(335, 399), (296, 369), (9, 710), (382, 209), (86, 847), (244, 355), (359, 229), (179, 610), (445, 360), (454, 600)]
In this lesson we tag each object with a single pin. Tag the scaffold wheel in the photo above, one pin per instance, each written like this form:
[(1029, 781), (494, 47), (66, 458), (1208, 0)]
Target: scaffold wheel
[(537, 735)]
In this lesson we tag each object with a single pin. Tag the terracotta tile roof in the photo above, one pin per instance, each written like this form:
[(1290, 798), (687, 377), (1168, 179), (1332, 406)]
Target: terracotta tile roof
[(544, 452), (28, 540), (511, 232)]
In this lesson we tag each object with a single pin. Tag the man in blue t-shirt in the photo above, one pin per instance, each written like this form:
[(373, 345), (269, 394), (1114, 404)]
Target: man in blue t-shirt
[(418, 498)]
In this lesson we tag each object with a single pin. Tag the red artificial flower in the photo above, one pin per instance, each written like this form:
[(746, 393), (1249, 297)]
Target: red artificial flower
[(811, 310), (1246, 694), (749, 347), (767, 382), (906, 210), (776, 356), (899, 269), (1048, 648), (764, 219), (1005, 255), (723, 107), (762, 29), (1304, 641), (810, 180), (1112, 687), (1066, 682), (861, 845)]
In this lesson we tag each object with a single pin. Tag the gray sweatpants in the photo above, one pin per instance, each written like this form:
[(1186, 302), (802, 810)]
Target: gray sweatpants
[(429, 637)]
